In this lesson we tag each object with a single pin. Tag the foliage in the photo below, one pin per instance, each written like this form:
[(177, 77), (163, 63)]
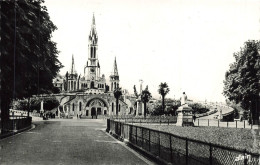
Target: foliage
[(20, 105), (163, 91), (145, 97), (28, 56), (117, 95), (242, 78), (156, 111), (171, 107), (35, 104), (135, 92), (198, 108)]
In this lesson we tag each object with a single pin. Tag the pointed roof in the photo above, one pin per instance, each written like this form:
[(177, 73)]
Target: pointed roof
[(72, 71), (93, 32), (115, 71), (93, 20)]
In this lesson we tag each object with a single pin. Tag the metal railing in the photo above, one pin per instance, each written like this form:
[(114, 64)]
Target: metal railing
[(157, 120), (227, 124), (180, 150)]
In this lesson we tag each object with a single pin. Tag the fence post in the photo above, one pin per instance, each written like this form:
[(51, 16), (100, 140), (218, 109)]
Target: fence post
[(159, 144), (227, 124), (244, 124), (245, 158), (198, 122), (171, 148), (168, 121), (136, 135), (208, 122), (127, 132), (130, 129), (218, 122), (142, 137), (236, 123), (251, 124), (149, 140), (210, 154), (123, 130), (187, 152)]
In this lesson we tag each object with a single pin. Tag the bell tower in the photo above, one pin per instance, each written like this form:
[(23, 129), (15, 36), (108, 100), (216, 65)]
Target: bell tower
[(114, 77), (92, 69)]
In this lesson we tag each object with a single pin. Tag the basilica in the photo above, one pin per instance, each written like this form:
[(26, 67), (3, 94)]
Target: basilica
[(91, 94)]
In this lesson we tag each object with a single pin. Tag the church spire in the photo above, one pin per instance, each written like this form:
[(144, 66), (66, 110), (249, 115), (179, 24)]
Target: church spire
[(93, 38), (93, 20), (115, 68), (73, 71)]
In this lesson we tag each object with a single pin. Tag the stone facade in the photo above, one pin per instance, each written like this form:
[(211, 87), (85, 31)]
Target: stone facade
[(91, 94)]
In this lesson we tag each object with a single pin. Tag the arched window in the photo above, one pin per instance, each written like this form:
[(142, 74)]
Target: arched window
[(94, 52), (79, 106), (92, 84), (112, 107), (73, 107), (91, 52)]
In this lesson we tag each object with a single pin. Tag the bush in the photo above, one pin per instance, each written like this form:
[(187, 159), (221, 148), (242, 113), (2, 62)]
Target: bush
[(20, 105), (35, 104), (198, 108)]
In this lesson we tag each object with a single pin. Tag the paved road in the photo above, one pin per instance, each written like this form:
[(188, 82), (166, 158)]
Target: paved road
[(62, 142), (225, 110)]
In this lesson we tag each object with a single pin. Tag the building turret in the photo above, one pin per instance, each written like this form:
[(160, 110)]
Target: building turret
[(72, 77), (114, 77), (72, 70)]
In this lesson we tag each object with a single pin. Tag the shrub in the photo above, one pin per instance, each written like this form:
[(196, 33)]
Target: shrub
[(35, 104)]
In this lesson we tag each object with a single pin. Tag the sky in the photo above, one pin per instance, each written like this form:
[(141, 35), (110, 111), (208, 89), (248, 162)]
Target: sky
[(187, 44)]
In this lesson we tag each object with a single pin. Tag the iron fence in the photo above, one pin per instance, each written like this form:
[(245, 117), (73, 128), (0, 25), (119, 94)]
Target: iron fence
[(159, 120), (180, 150), (228, 124), (17, 123)]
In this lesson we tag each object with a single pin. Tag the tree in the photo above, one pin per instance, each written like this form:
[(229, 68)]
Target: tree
[(163, 91), (117, 95), (241, 83), (135, 92), (145, 97), (28, 56)]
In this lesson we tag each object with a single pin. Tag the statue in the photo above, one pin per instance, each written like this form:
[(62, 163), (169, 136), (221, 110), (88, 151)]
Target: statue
[(185, 113), (183, 99)]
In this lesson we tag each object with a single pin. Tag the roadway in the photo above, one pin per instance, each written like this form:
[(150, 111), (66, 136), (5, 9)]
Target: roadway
[(67, 142)]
